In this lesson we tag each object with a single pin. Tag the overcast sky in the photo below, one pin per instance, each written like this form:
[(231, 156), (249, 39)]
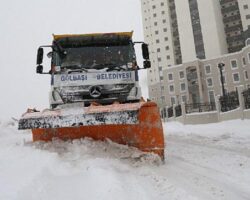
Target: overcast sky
[(26, 24)]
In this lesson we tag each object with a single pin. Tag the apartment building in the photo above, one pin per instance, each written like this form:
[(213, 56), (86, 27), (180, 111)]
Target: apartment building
[(181, 32), (236, 18), (199, 80)]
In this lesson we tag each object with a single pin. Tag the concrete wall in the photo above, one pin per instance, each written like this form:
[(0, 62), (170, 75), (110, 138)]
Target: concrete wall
[(230, 115), (212, 26), (201, 118), (244, 12), (247, 114), (154, 24), (213, 116), (185, 30), (228, 72)]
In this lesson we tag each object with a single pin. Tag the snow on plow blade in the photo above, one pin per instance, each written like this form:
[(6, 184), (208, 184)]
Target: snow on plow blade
[(133, 124)]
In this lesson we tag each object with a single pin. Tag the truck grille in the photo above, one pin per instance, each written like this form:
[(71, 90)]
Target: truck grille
[(108, 93)]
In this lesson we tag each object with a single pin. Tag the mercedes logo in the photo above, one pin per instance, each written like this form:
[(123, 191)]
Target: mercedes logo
[(95, 91)]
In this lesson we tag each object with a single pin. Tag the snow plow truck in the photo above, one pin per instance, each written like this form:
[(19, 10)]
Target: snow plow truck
[(95, 93)]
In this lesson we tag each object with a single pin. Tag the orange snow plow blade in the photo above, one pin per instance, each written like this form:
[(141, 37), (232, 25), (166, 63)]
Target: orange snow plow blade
[(133, 124)]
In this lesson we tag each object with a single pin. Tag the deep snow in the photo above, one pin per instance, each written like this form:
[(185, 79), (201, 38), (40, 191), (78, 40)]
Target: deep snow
[(207, 162)]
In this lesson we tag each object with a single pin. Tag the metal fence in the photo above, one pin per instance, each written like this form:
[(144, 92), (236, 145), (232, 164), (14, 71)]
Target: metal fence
[(178, 111), (200, 107), (163, 113), (170, 112), (230, 101), (246, 95)]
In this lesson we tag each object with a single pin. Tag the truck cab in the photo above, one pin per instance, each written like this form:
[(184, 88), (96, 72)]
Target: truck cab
[(89, 68)]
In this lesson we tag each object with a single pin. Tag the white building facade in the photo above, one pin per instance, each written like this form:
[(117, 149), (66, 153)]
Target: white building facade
[(180, 32)]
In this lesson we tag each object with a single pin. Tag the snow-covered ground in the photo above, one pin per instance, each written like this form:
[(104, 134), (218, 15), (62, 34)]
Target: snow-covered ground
[(206, 162)]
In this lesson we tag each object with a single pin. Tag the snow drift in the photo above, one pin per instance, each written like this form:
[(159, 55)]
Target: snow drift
[(203, 162)]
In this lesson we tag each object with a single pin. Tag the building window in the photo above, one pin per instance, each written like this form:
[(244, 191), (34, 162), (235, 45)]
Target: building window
[(163, 21), (181, 74), (160, 68), (156, 32), (171, 88), (245, 6), (172, 100), (163, 12), (246, 75), (208, 69), (248, 57), (234, 64), (166, 38), (211, 96), (153, 6), (162, 4), (167, 47), (236, 77), (155, 23), (161, 78), (244, 61), (170, 77), (247, 16), (154, 15), (159, 59), (158, 50), (168, 57), (184, 99), (157, 41), (183, 87), (209, 82), (161, 74), (165, 30)]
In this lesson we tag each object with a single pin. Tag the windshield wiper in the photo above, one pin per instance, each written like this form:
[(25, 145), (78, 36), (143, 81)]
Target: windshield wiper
[(76, 67), (110, 66), (101, 66)]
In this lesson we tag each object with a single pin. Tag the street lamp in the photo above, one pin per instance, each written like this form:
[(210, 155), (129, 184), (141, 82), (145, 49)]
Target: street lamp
[(220, 66)]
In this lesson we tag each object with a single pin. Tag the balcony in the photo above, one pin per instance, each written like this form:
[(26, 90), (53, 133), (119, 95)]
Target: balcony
[(172, 8), (230, 9), (222, 2), (174, 24), (175, 33), (231, 18), (177, 43), (192, 76), (235, 48), (173, 16), (178, 61), (196, 27), (236, 38), (237, 27), (178, 52)]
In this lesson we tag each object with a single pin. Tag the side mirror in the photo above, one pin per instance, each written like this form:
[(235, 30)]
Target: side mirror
[(49, 55), (145, 52), (146, 64), (39, 59), (39, 69)]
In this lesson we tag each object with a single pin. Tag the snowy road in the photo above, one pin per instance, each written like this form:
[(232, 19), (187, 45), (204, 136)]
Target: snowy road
[(205, 162)]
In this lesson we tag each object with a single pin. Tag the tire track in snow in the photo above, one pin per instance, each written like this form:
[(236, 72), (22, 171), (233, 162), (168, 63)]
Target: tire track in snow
[(186, 168)]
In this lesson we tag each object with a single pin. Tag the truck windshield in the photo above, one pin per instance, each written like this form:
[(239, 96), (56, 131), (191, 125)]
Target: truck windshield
[(99, 57)]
